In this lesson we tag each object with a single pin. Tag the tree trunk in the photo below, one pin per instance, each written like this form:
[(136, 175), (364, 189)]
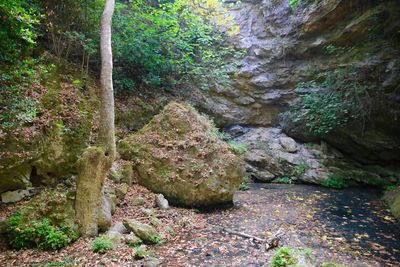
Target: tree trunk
[(107, 128), (96, 162)]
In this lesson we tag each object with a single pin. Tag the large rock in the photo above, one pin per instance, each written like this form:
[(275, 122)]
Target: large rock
[(180, 155), (286, 46), (271, 154), (14, 196)]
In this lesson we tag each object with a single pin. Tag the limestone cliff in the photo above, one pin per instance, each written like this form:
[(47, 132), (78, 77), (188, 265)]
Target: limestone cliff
[(289, 45)]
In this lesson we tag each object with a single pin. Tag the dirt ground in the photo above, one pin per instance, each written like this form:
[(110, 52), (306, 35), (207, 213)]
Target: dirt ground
[(350, 227)]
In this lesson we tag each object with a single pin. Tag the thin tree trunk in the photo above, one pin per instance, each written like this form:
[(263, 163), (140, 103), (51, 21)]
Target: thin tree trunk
[(107, 130), (95, 162)]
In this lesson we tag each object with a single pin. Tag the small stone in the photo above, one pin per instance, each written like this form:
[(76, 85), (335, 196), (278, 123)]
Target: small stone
[(136, 201), (288, 144), (104, 215), (140, 252), (144, 231), (115, 237), (119, 227), (152, 262), (132, 240), (14, 196), (122, 190), (155, 221), (161, 202)]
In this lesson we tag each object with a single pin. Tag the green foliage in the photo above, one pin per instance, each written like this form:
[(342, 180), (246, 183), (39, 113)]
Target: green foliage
[(238, 148), (18, 32), (155, 239), (389, 188), (167, 44), (37, 234), (18, 107), (283, 257), (338, 99), (293, 3), (244, 185), (335, 181), (300, 169), (283, 180), (101, 245)]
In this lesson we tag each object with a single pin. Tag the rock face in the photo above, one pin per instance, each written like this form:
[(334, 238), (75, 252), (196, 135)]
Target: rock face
[(179, 155), (286, 46), (273, 156), (45, 151)]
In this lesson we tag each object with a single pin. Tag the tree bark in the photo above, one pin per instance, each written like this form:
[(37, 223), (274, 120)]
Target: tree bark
[(96, 161), (107, 128)]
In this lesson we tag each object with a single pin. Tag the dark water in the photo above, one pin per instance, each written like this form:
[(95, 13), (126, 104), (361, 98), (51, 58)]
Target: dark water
[(356, 214)]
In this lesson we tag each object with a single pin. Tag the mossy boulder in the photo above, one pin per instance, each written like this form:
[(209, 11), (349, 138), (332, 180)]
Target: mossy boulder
[(393, 199), (145, 232), (178, 154), (45, 149)]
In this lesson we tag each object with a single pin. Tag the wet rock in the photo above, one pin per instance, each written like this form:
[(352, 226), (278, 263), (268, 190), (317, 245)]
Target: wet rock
[(144, 231), (180, 155), (161, 202)]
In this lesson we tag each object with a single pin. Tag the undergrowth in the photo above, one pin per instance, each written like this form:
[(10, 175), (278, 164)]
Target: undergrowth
[(40, 234), (101, 245), (335, 181)]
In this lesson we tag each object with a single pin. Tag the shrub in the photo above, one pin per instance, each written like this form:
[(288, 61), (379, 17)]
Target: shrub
[(244, 185), (300, 169), (283, 257), (101, 245), (238, 148), (335, 181), (37, 234), (337, 98), (18, 32)]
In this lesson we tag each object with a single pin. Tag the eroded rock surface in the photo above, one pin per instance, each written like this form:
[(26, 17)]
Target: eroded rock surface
[(286, 46)]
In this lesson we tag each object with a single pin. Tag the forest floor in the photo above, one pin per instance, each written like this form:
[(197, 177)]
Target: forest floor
[(350, 226)]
